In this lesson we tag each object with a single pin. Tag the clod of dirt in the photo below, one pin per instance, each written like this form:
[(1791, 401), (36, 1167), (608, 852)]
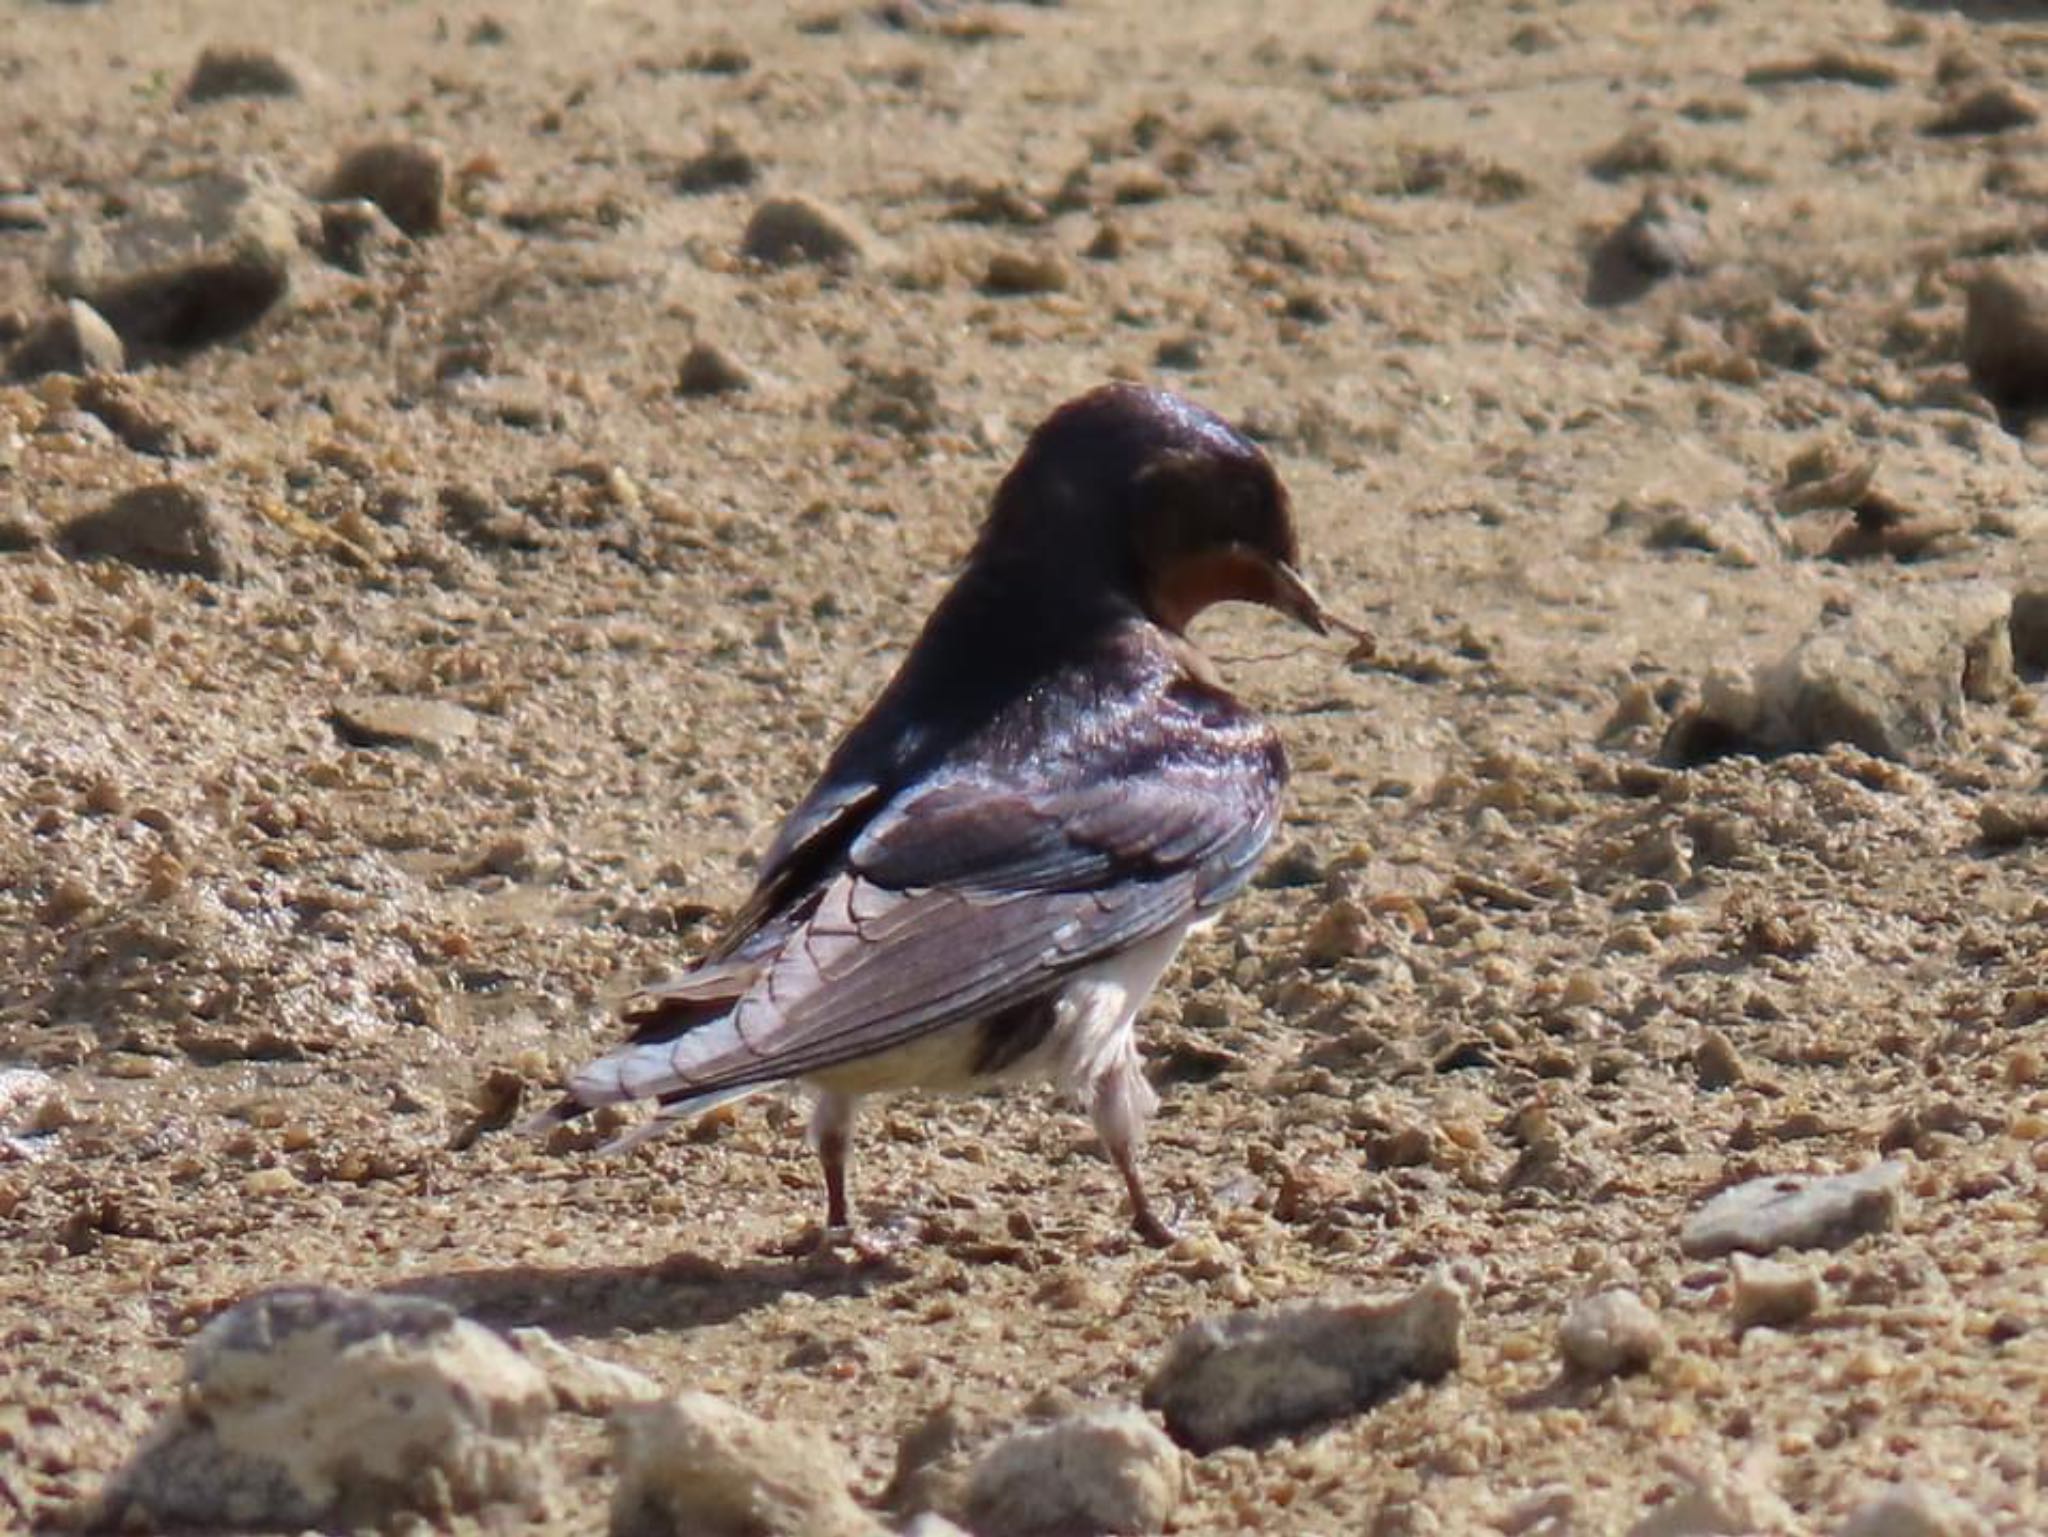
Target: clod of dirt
[(137, 414), (2028, 626), (1795, 1211), (1712, 1500), (696, 1466), (1888, 680), (1026, 272), (1716, 1063), (708, 369), (788, 231), (1642, 151), (189, 264), (31, 1105), (1768, 1295), (1914, 1510), (1829, 66), (1997, 107), (406, 178), (74, 340), (998, 203), (899, 400), (933, 1458), (431, 726), (311, 1406), (2005, 338), (166, 527), (723, 163), (21, 527), (2006, 822), (1610, 1334), (1109, 1470), (1664, 237), (354, 233), (583, 1384), (229, 71), (1733, 532), (1242, 1378)]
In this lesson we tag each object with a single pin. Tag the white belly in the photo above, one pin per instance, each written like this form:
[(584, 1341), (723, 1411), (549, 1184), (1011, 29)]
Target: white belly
[(1089, 1038)]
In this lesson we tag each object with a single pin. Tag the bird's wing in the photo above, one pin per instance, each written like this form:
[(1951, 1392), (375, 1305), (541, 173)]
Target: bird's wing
[(969, 895)]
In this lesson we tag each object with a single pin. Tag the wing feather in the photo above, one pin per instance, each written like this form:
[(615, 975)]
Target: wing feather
[(977, 891)]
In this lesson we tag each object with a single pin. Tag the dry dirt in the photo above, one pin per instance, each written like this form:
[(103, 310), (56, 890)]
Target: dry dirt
[(1520, 999)]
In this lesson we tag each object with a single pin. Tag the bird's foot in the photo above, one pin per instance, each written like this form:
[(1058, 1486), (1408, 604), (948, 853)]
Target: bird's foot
[(1154, 1229), (864, 1246)]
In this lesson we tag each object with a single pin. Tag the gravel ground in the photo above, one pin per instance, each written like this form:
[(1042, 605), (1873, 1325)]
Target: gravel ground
[(1655, 381)]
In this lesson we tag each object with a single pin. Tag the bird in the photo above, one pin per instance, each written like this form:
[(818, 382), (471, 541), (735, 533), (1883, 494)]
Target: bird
[(1002, 855)]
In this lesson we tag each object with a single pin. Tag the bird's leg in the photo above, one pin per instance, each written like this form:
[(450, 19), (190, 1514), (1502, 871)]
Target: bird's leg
[(831, 1135), (1123, 1101)]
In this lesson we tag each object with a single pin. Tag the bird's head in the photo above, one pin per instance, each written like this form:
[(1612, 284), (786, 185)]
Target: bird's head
[(1174, 506)]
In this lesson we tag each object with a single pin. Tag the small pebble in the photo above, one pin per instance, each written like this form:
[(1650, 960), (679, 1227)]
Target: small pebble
[(708, 369), (787, 231), (1770, 1295), (1610, 1334), (1914, 1510), (224, 71), (168, 527), (1998, 107), (1026, 272), (404, 177), (1664, 237)]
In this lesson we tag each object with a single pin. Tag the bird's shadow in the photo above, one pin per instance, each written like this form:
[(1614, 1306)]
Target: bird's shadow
[(682, 1291)]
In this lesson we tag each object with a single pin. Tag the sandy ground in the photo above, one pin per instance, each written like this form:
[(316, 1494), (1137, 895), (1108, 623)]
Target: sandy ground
[(274, 974)]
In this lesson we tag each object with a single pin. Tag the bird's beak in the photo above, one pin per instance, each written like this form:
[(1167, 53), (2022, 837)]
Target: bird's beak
[(1296, 599)]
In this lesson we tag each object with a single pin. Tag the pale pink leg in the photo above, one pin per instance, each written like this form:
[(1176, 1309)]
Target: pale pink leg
[(832, 1135), (1123, 1102)]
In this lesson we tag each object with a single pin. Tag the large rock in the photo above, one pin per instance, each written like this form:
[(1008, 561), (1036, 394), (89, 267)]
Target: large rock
[(1108, 1470), (191, 263), (1243, 1378), (2005, 336), (167, 527), (311, 1406), (696, 1466), (1888, 679), (1794, 1211)]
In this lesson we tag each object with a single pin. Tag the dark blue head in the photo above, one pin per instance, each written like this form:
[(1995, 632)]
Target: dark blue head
[(1161, 499)]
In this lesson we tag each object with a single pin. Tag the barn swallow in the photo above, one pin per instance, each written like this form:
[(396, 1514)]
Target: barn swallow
[(1002, 856)]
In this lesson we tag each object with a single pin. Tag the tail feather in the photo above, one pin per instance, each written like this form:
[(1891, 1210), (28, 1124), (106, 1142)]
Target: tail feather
[(675, 1111), (560, 1113)]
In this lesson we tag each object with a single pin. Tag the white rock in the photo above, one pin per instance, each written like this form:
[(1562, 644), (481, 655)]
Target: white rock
[(1914, 1510), (583, 1384), (1795, 1211), (1768, 1295), (1610, 1334), (311, 1406), (1243, 1377), (1109, 1470), (696, 1466), (1717, 1502)]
